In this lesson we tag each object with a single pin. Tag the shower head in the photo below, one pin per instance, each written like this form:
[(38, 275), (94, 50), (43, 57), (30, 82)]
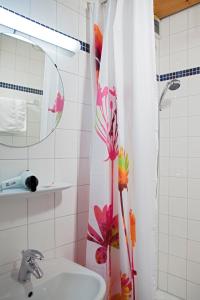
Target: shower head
[(172, 85)]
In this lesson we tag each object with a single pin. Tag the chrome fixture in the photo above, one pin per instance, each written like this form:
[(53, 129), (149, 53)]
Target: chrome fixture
[(30, 266), (172, 85)]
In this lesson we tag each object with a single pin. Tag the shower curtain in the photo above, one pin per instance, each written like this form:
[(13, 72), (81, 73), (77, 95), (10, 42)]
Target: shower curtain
[(121, 227)]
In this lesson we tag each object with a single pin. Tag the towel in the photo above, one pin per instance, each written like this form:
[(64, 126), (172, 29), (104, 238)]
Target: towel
[(12, 115)]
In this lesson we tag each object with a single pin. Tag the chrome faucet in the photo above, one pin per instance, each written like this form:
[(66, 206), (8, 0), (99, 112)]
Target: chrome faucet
[(29, 265)]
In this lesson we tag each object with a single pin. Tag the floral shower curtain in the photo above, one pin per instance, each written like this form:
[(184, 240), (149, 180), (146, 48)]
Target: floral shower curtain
[(112, 224)]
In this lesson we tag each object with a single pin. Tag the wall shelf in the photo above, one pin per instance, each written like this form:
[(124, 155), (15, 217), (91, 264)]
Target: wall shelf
[(54, 187)]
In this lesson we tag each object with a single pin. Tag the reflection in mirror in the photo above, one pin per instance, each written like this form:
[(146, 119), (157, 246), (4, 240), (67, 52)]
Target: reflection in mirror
[(31, 93)]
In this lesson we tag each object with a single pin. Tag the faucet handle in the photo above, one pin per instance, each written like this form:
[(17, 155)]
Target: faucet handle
[(32, 254)]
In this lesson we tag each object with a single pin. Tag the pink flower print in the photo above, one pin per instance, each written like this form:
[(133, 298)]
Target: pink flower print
[(58, 104), (106, 120), (108, 226)]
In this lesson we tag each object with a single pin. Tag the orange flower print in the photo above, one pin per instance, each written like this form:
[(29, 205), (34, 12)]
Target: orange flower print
[(123, 169), (126, 288)]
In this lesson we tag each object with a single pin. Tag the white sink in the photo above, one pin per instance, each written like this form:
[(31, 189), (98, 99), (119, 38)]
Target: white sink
[(62, 280)]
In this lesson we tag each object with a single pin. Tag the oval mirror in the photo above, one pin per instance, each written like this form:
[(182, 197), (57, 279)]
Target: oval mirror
[(31, 93)]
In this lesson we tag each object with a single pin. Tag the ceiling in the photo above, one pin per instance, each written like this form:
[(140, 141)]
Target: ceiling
[(164, 8)]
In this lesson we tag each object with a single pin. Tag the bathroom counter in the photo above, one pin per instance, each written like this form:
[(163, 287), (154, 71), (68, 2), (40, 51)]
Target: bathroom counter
[(54, 187)]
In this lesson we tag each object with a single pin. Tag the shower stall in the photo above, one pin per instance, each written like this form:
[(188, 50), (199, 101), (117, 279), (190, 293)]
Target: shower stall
[(178, 69)]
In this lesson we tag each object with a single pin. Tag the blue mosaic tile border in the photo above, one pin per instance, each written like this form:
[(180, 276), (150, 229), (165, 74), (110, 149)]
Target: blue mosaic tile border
[(179, 74), (20, 88), (84, 46)]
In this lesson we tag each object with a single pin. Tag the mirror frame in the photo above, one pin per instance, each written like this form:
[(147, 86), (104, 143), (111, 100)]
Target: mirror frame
[(63, 90)]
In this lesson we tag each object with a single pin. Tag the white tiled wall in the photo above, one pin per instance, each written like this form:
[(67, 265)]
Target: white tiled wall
[(179, 200), (54, 223)]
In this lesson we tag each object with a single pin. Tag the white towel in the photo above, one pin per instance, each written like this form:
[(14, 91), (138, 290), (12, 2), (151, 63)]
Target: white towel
[(12, 115)]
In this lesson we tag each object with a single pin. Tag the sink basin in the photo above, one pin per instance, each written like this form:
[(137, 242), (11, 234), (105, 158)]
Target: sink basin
[(62, 280)]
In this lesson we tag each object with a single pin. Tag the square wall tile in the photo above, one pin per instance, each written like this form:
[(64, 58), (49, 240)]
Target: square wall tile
[(164, 27), (163, 224), (84, 90), (66, 228), (12, 242), (164, 65), (66, 170), (178, 187), (178, 61), (22, 7), (66, 202), (164, 166), (163, 205), (41, 235), (40, 208), (193, 251), (70, 82), (82, 225), (178, 207), (177, 266), (67, 20), (194, 168), (164, 128), (163, 242), (43, 170), (177, 286), (83, 171), (164, 186), (81, 252), (178, 127), (83, 198), (194, 188), (164, 147), (66, 144), (69, 118), (194, 230), (11, 168), (44, 12), (67, 251), (66, 62), (84, 64), (193, 16), (193, 59), (164, 46), (193, 291), (13, 212), (163, 262), (194, 37), (73, 4), (162, 281), (84, 144), (194, 209), (194, 147), (178, 167), (12, 153), (193, 105), (178, 147), (178, 247), (85, 113), (178, 41), (179, 107), (44, 149), (194, 84), (178, 22), (193, 272), (178, 227)]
